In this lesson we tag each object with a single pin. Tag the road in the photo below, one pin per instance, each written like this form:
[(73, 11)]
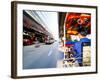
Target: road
[(44, 56)]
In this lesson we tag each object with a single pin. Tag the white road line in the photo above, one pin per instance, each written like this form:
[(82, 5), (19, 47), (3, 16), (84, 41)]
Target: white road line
[(50, 52)]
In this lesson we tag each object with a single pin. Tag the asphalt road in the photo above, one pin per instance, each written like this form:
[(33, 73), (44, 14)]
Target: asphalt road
[(43, 56)]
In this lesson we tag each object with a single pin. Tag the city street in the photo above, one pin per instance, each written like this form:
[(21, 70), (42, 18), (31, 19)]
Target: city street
[(42, 56)]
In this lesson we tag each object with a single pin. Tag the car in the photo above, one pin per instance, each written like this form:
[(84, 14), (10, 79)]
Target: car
[(27, 40), (49, 41)]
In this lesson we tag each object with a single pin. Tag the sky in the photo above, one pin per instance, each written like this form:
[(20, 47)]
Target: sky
[(51, 21)]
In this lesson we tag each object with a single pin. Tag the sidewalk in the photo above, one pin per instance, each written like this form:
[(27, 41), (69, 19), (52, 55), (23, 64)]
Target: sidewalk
[(38, 44), (35, 45)]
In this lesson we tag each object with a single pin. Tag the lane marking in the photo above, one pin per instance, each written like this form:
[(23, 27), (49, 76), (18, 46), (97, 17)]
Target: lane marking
[(50, 52)]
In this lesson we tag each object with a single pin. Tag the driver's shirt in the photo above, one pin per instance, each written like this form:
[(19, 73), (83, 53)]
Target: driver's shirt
[(78, 48)]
